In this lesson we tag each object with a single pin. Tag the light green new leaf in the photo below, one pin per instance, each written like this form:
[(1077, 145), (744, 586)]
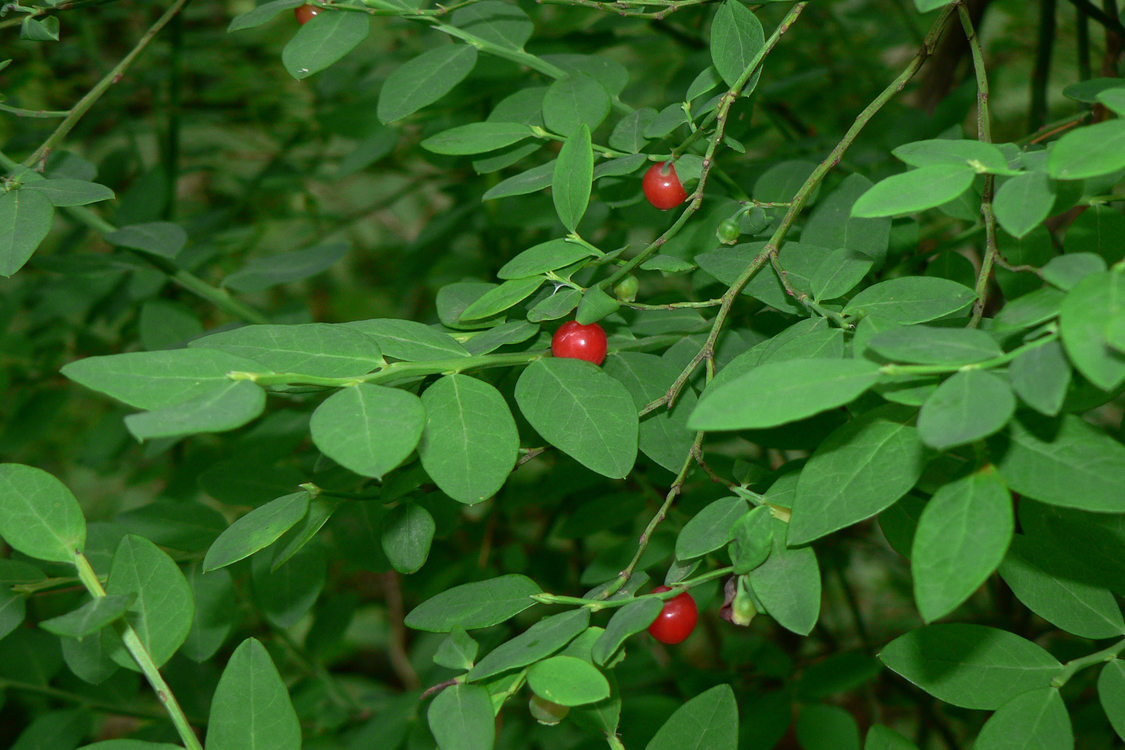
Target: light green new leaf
[(968, 406), (470, 443), (155, 380), (39, 515), (369, 429), (1083, 315), (25, 219), (227, 407), (161, 613), (537, 642), (256, 530), (971, 666), (911, 299), (1090, 151), (583, 412), (89, 618), (423, 80), (913, 191), (474, 605), (710, 529), (568, 681), (461, 718), (961, 538), (1035, 719), (319, 349), (736, 38), (709, 721), (322, 41), (778, 392), (1075, 466), (862, 468), (1023, 202), (250, 709), (1111, 693), (573, 178), (788, 584), (408, 531), (476, 138)]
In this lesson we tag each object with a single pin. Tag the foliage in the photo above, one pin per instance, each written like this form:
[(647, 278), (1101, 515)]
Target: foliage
[(311, 472)]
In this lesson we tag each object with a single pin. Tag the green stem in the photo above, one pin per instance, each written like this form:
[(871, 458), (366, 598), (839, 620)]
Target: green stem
[(86, 102), (142, 657), (595, 605), (1098, 657), (37, 113), (802, 196)]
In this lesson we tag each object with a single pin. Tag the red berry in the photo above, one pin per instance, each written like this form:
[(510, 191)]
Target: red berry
[(305, 13), (662, 186), (676, 621), (577, 341)]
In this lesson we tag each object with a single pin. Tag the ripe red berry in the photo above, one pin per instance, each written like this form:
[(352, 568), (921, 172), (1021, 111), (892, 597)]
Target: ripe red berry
[(305, 13), (676, 621), (662, 186), (577, 341)]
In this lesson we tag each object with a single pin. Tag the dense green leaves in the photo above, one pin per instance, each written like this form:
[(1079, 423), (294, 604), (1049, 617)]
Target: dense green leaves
[(474, 605), (470, 443), (582, 411), (251, 709)]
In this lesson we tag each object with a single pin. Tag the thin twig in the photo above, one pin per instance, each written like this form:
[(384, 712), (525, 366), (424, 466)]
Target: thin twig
[(396, 651)]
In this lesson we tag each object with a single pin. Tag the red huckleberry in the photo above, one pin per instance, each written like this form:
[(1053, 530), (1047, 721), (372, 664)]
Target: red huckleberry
[(305, 13), (662, 186), (576, 341), (676, 621)]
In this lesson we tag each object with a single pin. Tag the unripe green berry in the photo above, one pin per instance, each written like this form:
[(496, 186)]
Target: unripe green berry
[(728, 232), (545, 712), (626, 289)]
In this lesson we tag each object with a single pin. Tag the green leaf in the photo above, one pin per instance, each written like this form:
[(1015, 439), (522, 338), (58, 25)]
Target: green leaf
[(778, 392), (1036, 574), (925, 6), (470, 443), (409, 340), (474, 605), (1065, 271), (573, 101), (161, 613), (546, 256), (54, 730), (971, 666), (89, 618), (318, 349), (911, 299), (596, 304), (250, 709), (831, 224), (1074, 465), (839, 273), (13, 610), (573, 177), (512, 332), (262, 14), (39, 516), (583, 412), (369, 429), (155, 380), (215, 613), (286, 593), (709, 720), (160, 238), (256, 530), (664, 436), (880, 737), (752, 540), (425, 79), (628, 133), (968, 406), (1029, 310), (568, 681), (913, 191), (629, 620), (953, 151), (260, 274), (408, 531), (1082, 326), (457, 651), (1111, 693), (35, 29), (1035, 719), (537, 642), (461, 718), (500, 298), (530, 181), (25, 220), (961, 538), (935, 346), (787, 584), (1089, 151), (1041, 377), (821, 727), (476, 138), (68, 192), (736, 38), (226, 407), (322, 41), (1023, 202), (501, 23), (862, 468), (710, 529)]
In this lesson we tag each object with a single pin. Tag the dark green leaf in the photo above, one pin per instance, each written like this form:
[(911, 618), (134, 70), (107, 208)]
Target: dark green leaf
[(500, 23), (25, 219), (568, 681), (787, 584), (317, 349), (710, 529), (932, 345), (1041, 377), (262, 14), (408, 531), (537, 642), (631, 619), (39, 515), (474, 605), (1082, 326), (322, 41), (546, 256), (89, 618), (461, 718), (736, 38), (161, 613), (573, 177), (821, 727), (1023, 202), (409, 340), (226, 407), (262, 273), (256, 530), (500, 298), (476, 138), (68, 192), (162, 238), (251, 709), (913, 191), (911, 299), (970, 405), (574, 101), (1111, 693), (1037, 718), (1089, 151), (709, 720), (369, 429), (425, 79)]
